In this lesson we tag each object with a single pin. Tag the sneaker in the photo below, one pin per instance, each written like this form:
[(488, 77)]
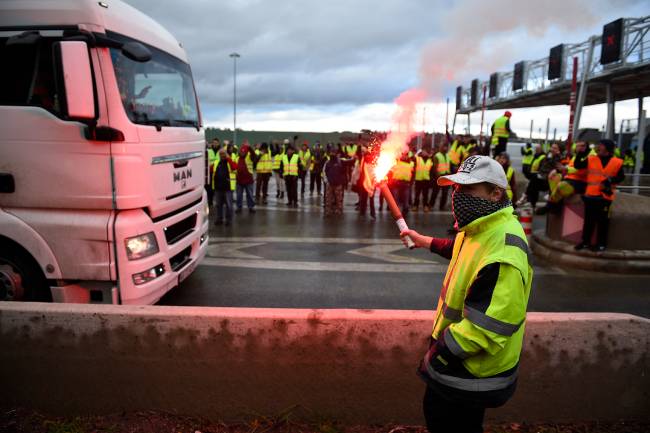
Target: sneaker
[(581, 246)]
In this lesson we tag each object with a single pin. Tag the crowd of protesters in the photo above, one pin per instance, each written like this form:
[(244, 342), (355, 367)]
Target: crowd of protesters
[(329, 171)]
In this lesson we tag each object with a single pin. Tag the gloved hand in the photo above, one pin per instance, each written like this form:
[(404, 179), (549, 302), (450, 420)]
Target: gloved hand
[(432, 362), (606, 186)]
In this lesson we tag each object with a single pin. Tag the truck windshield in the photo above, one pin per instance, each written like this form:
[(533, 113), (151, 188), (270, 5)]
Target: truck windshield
[(158, 92)]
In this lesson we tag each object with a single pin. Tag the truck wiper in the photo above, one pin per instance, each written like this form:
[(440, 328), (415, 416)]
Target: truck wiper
[(193, 123), (158, 123)]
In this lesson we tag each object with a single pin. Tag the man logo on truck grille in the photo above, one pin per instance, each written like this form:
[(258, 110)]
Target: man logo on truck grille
[(182, 176)]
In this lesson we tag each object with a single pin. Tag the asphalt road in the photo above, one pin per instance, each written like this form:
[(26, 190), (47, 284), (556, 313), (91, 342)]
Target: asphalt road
[(283, 257)]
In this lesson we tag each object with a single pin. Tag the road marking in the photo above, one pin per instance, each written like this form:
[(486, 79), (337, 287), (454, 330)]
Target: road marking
[(304, 208), (307, 240), (432, 268), (384, 252), (231, 250)]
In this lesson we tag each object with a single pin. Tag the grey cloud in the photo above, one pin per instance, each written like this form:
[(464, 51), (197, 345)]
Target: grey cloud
[(300, 52)]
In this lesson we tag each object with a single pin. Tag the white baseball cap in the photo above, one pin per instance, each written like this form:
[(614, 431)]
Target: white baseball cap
[(477, 169)]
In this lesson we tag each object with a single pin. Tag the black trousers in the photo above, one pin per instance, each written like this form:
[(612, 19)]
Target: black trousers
[(364, 197), (444, 193), (596, 217), (422, 188), (401, 191), (292, 188), (444, 416), (315, 179), (535, 185), (500, 147), (303, 177), (262, 185)]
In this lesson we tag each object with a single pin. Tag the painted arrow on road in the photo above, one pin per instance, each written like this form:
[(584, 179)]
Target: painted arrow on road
[(232, 250), (385, 252)]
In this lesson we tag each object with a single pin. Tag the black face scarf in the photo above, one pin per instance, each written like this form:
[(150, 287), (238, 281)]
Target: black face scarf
[(467, 208)]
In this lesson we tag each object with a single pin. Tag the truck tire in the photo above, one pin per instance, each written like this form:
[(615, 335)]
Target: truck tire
[(21, 279)]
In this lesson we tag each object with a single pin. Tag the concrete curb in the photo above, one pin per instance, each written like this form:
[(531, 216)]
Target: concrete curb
[(616, 261), (356, 366)]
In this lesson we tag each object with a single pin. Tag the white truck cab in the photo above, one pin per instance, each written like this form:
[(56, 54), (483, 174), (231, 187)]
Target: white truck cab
[(102, 155)]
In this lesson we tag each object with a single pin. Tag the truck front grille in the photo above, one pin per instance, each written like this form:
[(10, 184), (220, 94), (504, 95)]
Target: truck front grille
[(179, 230), (180, 259)]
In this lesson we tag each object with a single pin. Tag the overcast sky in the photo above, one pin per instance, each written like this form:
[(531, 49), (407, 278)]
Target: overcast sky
[(338, 65)]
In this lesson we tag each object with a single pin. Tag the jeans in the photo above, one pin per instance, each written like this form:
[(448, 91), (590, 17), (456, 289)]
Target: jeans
[(224, 198), (249, 195)]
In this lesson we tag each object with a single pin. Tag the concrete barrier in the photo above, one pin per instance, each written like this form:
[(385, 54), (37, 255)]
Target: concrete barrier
[(355, 366)]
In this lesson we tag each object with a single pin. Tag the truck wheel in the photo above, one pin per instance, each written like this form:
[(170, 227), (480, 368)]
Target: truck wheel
[(20, 276)]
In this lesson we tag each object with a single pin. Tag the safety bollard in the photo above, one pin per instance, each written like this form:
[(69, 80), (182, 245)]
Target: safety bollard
[(526, 220)]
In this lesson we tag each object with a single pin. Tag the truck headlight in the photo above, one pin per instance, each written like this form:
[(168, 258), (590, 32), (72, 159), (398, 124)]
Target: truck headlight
[(141, 246)]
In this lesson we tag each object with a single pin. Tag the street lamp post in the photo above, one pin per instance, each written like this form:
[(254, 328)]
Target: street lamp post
[(234, 56)]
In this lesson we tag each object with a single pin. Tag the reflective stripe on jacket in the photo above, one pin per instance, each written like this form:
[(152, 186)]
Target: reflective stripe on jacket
[(500, 129), (277, 160), (290, 167), (423, 169), (576, 174), (443, 165), (509, 173), (485, 329), (403, 171), (265, 163), (597, 174)]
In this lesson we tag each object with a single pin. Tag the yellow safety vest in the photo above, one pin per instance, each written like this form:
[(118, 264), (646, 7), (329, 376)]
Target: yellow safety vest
[(500, 129), (534, 168), (529, 154), (277, 160), (485, 333), (403, 171), (290, 167), (304, 156), (455, 152), (423, 169), (265, 163), (509, 173), (443, 167), (232, 174), (351, 150)]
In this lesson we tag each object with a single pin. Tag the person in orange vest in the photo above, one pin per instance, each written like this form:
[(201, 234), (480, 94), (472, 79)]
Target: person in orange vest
[(604, 172)]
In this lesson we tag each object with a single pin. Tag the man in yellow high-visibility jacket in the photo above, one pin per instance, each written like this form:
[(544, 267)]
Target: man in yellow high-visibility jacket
[(478, 330), (500, 133)]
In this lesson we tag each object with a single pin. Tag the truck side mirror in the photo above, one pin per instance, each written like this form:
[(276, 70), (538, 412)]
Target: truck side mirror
[(74, 80)]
